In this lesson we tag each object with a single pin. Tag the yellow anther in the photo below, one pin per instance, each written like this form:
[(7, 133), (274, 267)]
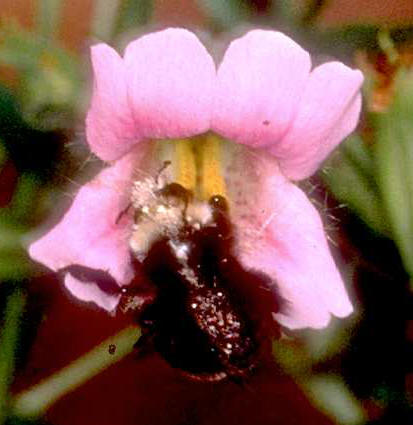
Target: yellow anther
[(211, 181), (186, 167)]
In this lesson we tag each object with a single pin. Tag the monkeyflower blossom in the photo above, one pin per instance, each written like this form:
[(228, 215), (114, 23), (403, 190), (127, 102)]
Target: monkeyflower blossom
[(272, 119)]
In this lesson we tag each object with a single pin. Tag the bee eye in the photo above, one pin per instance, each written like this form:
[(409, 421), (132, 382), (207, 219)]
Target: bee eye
[(218, 203)]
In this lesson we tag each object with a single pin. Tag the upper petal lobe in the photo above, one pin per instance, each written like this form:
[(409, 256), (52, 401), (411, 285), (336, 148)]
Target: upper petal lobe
[(259, 84), (328, 112), (170, 84), (110, 128)]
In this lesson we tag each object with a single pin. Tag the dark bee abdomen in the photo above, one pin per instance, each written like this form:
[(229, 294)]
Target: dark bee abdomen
[(227, 329), (198, 324), (210, 316)]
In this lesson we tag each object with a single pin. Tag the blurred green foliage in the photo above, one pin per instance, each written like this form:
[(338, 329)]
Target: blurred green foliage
[(375, 179), (352, 180), (50, 77), (225, 14), (133, 14), (393, 150)]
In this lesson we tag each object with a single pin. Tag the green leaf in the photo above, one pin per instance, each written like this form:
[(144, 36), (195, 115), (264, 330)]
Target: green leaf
[(394, 158), (8, 342), (351, 178)]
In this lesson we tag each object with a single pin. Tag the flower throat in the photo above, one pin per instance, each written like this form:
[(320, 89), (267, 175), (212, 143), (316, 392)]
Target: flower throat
[(202, 155), (205, 309)]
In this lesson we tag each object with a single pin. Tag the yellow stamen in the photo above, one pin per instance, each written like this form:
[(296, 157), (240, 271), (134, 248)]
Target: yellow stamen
[(186, 167), (211, 181)]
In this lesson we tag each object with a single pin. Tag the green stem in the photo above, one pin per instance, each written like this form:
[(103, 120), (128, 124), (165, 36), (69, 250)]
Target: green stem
[(38, 399), (8, 342)]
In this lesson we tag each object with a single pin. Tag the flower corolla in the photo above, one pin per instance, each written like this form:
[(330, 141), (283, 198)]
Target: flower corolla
[(283, 118)]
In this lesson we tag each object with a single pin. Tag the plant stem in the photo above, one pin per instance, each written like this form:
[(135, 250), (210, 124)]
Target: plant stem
[(38, 399)]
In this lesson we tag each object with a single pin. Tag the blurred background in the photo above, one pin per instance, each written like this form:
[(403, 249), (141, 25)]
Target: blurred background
[(54, 361)]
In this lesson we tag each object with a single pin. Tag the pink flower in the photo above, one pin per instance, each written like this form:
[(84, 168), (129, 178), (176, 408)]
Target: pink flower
[(264, 95)]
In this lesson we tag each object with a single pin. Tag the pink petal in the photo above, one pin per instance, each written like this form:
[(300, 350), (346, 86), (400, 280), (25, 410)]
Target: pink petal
[(171, 77), (260, 82), (90, 292), (328, 112), (89, 235), (110, 128), (280, 233)]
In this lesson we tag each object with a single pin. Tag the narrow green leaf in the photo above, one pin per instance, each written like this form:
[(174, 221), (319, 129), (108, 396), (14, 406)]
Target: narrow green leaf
[(356, 152), (39, 398), (333, 397), (351, 179), (394, 157), (8, 342)]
